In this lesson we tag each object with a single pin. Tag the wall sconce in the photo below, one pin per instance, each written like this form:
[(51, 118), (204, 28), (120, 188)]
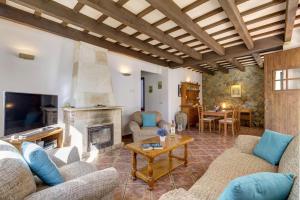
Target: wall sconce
[(188, 79), (26, 56), (126, 74)]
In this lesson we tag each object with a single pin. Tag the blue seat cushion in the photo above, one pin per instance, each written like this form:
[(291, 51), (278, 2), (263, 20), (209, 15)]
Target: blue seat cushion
[(149, 119), (41, 164), (259, 186), (271, 146)]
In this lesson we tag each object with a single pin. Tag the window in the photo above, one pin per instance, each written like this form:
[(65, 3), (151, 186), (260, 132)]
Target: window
[(287, 79)]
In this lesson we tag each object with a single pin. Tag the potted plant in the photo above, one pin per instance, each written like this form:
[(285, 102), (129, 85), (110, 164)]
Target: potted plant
[(162, 133)]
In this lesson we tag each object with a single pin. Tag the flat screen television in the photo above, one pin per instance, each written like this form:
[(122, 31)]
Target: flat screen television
[(23, 112)]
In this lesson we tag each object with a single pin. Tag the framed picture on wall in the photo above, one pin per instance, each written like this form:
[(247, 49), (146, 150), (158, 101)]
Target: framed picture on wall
[(159, 85), (236, 91), (150, 88)]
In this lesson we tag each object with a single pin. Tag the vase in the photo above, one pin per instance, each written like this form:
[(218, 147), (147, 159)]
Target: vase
[(162, 138)]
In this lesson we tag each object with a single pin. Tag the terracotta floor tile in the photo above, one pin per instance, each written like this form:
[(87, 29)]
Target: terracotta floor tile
[(205, 148), (134, 192)]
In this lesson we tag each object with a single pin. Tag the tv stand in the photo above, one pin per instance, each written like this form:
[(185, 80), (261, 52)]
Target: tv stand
[(35, 136)]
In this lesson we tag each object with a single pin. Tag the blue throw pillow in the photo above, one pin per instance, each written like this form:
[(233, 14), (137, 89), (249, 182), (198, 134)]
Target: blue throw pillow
[(271, 146), (259, 186), (40, 163), (149, 119)]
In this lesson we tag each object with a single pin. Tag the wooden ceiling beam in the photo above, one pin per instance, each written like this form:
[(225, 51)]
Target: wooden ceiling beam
[(237, 51), (235, 17), (78, 7), (173, 12), (67, 15), (258, 60), (28, 19), (3, 1), (126, 17), (236, 63), (217, 66), (290, 15)]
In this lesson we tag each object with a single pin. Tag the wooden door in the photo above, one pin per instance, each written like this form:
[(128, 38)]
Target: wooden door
[(282, 102)]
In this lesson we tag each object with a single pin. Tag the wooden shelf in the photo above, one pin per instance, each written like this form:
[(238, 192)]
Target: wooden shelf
[(160, 168), (53, 134)]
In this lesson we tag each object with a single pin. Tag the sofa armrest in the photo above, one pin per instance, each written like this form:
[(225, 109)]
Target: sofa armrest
[(178, 194), (64, 155), (163, 123), (246, 143), (95, 185), (134, 127)]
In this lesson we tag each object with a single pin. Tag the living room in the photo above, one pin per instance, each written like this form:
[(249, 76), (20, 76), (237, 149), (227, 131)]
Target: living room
[(149, 99)]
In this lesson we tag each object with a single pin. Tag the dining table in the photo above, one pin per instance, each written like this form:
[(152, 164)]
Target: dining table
[(222, 113)]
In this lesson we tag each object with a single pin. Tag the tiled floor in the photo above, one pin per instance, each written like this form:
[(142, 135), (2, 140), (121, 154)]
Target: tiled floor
[(205, 148)]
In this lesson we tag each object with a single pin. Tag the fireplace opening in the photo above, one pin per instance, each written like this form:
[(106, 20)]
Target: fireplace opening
[(100, 136)]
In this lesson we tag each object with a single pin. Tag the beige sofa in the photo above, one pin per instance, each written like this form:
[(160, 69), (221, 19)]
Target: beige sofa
[(82, 180), (138, 131), (235, 162)]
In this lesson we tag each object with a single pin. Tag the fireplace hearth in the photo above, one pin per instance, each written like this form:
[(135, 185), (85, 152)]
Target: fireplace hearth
[(100, 136)]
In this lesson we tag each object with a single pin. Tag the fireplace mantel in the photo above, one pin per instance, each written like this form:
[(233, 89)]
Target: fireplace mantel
[(92, 108), (78, 120)]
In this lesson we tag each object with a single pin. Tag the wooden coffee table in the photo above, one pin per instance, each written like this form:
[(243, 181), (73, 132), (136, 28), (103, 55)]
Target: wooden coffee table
[(154, 170)]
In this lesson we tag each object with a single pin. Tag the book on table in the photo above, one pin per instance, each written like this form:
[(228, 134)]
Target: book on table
[(151, 146)]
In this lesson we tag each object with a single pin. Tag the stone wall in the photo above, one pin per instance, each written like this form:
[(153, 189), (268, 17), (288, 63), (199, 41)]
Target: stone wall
[(216, 90)]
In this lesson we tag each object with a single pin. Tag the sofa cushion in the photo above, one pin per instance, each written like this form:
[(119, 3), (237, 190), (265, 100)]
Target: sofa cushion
[(137, 117), (229, 165), (149, 119), (16, 179), (76, 169), (259, 186), (40, 163), (271, 146), (289, 163)]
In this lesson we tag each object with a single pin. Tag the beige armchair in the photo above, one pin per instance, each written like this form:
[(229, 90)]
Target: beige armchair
[(82, 179), (139, 132)]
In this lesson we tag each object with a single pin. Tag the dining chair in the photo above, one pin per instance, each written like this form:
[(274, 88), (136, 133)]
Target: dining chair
[(203, 120), (233, 122)]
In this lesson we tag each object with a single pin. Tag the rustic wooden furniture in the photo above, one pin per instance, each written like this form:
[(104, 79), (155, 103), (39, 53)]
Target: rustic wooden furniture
[(246, 115), (190, 98), (203, 120), (223, 113), (282, 96), (233, 121), (154, 170), (56, 133)]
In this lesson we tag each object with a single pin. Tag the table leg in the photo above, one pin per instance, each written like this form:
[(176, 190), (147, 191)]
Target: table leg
[(134, 165), (150, 174), (170, 160), (225, 124), (185, 155), (250, 119)]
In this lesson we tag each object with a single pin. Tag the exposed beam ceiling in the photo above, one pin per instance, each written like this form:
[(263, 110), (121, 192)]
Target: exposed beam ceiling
[(236, 19), (236, 63), (58, 29), (69, 16), (173, 12), (290, 15), (237, 51), (216, 65), (258, 60), (121, 14)]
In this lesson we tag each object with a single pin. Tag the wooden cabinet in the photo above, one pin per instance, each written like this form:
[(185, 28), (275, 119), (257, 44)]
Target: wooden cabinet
[(282, 91), (190, 98), (53, 134)]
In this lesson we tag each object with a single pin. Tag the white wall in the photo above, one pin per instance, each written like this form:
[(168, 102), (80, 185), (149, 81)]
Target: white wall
[(158, 99), (295, 41), (51, 71), (175, 77)]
